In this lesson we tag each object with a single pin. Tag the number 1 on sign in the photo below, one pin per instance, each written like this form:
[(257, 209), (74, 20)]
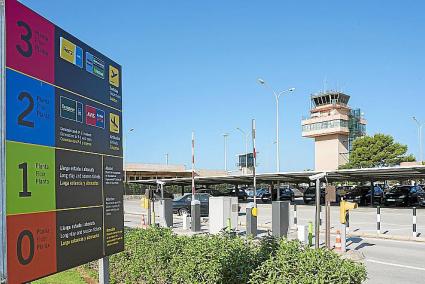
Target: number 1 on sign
[(24, 192)]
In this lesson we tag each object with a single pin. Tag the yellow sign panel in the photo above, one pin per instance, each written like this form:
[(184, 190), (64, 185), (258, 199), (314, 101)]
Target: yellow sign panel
[(67, 51), (114, 123), (114, 76)]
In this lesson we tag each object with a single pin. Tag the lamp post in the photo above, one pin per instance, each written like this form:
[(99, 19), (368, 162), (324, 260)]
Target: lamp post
[(246, 145), (166, 158), (420, 125), (225, 135), (277, 96), (125, 152)]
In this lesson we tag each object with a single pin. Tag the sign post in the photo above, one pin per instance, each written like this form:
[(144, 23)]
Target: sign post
[(330, 196), (61, 141)]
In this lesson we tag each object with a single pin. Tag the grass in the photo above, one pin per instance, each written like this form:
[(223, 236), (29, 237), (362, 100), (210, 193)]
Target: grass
[(71, 276)]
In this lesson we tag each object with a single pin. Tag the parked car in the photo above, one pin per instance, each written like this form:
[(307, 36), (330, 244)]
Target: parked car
[(362, 194), (421, 200), (210, 191), (259, 192), (404, 195), (158, 194), (181, 205), (242, 194), (286, 193), (344, 189), (309, 195)]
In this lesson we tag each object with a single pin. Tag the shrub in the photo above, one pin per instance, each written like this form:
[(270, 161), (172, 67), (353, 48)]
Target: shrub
[(295, 263), (146, 257), (156, 255), (215, 259)]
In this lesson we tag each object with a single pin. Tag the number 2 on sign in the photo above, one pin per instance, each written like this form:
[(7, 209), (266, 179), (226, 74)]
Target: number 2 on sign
[(27, 111)]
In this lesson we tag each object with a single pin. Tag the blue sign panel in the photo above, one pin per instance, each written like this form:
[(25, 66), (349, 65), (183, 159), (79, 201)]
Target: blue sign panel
[(30, 107)]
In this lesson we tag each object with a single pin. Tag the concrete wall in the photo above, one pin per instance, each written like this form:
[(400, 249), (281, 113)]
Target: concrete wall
[(329, 152)]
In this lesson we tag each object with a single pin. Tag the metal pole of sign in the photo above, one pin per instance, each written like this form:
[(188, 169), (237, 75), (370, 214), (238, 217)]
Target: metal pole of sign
[(317, 223), (149, 207), (193, 166), (328, 224), (195, 205), (104, 270), (3, 254), (254, 154)]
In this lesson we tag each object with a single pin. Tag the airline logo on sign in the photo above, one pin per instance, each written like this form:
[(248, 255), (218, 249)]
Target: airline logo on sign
[(95, 65), (114, 76), (114, 123), (71, 52), (95, 117), (71, 109)]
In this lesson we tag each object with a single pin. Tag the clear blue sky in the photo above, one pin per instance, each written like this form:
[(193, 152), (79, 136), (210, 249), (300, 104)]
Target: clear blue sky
[(193, 65)]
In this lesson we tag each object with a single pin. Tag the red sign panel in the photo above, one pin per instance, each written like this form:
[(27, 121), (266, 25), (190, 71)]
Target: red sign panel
[(31, 246)]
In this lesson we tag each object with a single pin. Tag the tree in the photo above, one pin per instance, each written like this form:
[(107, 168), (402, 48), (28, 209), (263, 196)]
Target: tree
[(378, 150)]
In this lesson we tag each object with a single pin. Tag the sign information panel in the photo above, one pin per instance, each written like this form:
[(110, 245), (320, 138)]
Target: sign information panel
[(64, 191)]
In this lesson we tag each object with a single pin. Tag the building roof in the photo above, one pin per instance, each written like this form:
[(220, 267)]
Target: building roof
[(367, 174), (163, 169), (153, 167), (328, 98)]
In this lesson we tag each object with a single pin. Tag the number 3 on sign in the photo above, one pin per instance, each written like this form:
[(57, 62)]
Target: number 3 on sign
[(27, 50)]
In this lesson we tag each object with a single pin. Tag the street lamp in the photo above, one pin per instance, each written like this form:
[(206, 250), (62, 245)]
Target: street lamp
[(277, 96), (166, 159), (246, 145), (420, 125), (225, 135)]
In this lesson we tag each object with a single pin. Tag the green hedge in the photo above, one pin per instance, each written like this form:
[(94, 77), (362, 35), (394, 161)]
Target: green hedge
[(295, 263), (157, 255)]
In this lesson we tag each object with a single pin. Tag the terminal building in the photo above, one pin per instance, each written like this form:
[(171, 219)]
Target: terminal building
[(334, 125)]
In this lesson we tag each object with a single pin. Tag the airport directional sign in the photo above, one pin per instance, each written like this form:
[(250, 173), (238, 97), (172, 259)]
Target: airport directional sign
[(63, 149)]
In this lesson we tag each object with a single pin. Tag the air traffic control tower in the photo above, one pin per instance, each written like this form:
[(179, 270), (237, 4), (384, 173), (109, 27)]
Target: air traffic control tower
[(334, 126)]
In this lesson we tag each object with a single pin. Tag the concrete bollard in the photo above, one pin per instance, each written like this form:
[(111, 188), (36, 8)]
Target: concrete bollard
[(196, 216), (378, 219), (414, 223), (347, 221), (320, 216), (280, 218), (343, 238), (186, 222), (166, 209), (302, 234), (251, 220)]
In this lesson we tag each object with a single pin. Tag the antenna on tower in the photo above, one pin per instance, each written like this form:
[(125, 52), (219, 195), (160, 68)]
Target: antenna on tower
[(324, 84)]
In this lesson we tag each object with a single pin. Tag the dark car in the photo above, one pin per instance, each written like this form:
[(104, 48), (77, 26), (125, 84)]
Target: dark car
[(158, 194), (286, 193), (404, 195), (309, 195), (259, 192), (242, 195), (210, 191), (362, 194), (421, 200), (344, 189), (181, 205)]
